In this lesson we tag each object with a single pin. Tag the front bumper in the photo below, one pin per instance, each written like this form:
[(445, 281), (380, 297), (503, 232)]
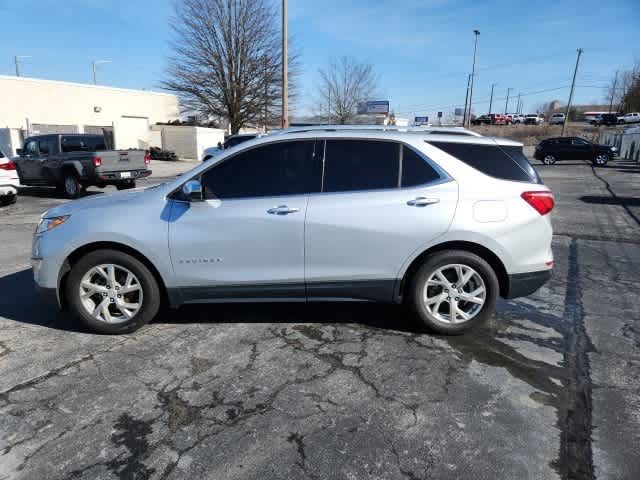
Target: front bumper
[(523, 284)]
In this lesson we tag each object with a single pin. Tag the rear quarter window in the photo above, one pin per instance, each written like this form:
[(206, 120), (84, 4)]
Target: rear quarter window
[(498, 161)]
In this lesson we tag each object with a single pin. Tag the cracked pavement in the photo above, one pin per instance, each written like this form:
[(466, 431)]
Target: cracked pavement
[(549, 388)]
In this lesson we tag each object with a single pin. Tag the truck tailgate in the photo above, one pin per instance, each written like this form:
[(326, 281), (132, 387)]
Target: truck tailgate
[(121, 161)]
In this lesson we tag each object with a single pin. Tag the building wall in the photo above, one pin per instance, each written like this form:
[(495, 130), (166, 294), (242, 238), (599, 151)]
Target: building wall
[(47, 102)]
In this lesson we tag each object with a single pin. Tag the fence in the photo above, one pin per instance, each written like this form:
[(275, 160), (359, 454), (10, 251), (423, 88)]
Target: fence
[(628, 144)]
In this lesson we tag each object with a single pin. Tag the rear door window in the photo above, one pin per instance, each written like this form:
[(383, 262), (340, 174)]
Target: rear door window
[(498, 161), (354, 165), (415, 169)]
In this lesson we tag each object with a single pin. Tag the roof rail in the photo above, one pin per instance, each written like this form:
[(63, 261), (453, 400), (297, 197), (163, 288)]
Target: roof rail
[(448, 130)]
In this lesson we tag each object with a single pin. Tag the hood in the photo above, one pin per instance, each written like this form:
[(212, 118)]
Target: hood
[(95, 201)]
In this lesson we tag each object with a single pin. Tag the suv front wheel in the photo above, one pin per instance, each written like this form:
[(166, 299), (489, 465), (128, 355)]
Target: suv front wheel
[(112, 292), (453, 291), (601, 159)]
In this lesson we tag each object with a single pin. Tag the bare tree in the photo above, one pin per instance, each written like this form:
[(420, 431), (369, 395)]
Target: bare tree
[(343, 84), (226, 60), (630, 90)]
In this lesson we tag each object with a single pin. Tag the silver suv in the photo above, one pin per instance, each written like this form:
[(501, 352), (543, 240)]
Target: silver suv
[(445, 222)]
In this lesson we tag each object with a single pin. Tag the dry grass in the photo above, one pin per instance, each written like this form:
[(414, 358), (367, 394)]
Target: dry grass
[(532, 134)]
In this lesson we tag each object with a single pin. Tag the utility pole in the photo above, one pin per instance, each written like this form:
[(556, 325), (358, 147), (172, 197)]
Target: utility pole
[(466, 102), (285, 68), (16, 60), (94, 64), (613, 91), (518, 103), (506, 104), (491, 98), (473, 74), (573, 84)]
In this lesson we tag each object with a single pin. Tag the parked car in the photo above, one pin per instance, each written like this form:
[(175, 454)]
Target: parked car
[(514, 118), (9, 181), (633, 117), (551, 150), (481, 120), (498, 119), (556, 119), (72, 162), (533, 119), (313, 215), (605, 119)]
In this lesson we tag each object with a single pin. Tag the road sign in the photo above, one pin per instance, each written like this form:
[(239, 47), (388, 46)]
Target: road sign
[(374, 107), (439, 114), (421, 120), (458, 112)]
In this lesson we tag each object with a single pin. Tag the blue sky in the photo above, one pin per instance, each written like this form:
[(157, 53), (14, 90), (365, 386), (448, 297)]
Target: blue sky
[(421, 49)]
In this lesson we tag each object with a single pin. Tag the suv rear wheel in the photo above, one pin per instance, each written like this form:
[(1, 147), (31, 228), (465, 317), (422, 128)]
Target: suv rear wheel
[(549, 159), (453, 291), (112, 292)]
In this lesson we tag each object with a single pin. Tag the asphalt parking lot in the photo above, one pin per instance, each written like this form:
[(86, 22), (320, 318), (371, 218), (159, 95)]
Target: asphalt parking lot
[(550, 388)]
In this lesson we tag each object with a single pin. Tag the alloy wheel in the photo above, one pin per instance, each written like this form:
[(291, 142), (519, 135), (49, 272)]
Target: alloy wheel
[(111, 293), (549, 160), (602, 159), (454, 293)]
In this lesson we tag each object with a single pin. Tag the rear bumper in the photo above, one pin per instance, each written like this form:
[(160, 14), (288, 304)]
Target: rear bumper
[(115, 177), (523, 284), (8, 190)]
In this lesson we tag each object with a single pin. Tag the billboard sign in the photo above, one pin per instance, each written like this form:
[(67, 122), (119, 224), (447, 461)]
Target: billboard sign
[(421, 120), (458, 112), (374, 107)]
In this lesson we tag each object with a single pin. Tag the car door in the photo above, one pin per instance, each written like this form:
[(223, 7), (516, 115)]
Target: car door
[(246, 239), (381, 201), (40, 164), (581, 149), (563, 148), (28, 159)]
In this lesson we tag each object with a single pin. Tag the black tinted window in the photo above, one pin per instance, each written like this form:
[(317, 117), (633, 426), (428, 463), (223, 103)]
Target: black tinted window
[(73, 144), (43, 145), (95, 144), (284, 168), (415, 170), (506, 163), (360, 165)]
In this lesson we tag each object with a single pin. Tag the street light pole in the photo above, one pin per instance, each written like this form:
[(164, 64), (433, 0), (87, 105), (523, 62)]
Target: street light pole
[(16, 60), (491, 99), (473, 74), (466, 101), (506, 104), (94, 64), (285, 68)]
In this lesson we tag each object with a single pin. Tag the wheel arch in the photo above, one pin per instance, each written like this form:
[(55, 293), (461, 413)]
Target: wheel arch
[(79, 252), (483, 252)]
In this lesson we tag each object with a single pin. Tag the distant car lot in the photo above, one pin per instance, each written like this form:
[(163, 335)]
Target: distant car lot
[(339, 391)]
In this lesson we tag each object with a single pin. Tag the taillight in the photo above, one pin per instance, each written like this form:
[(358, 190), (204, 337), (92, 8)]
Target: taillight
[(147, 159), (8, 166), (543, 202), (97, 161)]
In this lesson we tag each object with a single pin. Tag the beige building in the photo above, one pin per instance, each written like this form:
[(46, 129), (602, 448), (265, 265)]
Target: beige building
[(30, 106)]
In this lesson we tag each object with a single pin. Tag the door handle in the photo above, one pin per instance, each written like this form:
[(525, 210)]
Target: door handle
[(282, 210), (422, 201)]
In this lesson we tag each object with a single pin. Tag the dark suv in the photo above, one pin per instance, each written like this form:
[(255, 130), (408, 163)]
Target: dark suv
[(605, 119), (551, 150)]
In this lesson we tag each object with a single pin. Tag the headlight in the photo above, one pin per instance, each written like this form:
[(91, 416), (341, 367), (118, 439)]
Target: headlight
[(47, 224)]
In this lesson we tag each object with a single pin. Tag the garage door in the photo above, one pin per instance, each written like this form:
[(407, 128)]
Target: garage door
[(131, 132)]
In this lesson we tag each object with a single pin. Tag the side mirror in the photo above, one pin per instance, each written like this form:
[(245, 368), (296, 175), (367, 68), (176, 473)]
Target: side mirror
[(19, 152), (192, 191)]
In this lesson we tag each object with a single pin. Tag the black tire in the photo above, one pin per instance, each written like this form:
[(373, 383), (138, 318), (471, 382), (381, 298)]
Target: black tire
[(8, 200), (70, 185), (549, 159), (126, 185), (150, 290), (601, 160), (414, 294)]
